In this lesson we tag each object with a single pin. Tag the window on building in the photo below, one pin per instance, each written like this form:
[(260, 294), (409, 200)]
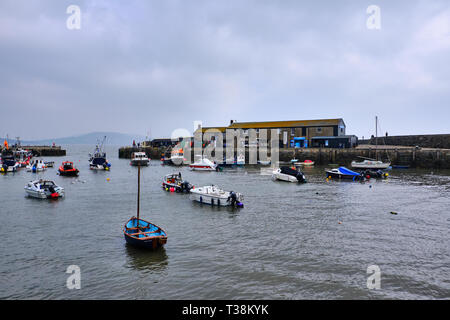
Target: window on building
[(292, 131)]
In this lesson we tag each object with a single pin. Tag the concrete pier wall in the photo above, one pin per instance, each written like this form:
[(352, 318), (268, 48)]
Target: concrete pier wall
[(420, 158), (441, 141)]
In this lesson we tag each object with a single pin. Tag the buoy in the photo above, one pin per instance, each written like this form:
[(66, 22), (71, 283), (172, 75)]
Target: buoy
[(329, 177), (386, 174), (167, 189), (393, 212), (339, 222), (172, 189), (328, 180), (370, 186), (107, 179)]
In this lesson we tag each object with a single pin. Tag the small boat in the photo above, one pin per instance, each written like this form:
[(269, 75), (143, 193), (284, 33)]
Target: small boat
[(97, 161), (240, 160), (264, 162), (215, 196), (23, 157), (44, 189), (370, 164), (139, 158), (344, 173), (204, 164), (175, 183), (306, 163), (177, 157), (165, 160), (49, 164), (67, 169), (288, 174), (377, 174), (294, 161), (9, 163), (36, 166), (141, 233)]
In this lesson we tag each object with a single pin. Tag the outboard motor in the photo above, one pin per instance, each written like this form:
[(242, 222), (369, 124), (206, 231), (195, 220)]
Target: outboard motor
[(232, 198), (300, 177)]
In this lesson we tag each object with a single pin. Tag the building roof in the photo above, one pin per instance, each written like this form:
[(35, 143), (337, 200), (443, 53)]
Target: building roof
[(285, 124), (334, 137), (221, 129)]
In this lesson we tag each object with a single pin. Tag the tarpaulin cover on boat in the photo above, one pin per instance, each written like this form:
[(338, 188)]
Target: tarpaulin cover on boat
[(344, 170)]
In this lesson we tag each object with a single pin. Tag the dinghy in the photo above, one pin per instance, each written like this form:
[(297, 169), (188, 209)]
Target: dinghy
[(288, 174), (215, 196), (141, 233), (44, 189), (175, 183)]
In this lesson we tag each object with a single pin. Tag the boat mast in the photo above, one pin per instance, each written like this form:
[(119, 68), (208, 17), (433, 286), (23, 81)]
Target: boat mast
[(376, 138), (139, 191)]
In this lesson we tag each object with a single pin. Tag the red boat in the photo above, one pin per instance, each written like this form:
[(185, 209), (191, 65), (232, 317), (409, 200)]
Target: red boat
[(67, 169)]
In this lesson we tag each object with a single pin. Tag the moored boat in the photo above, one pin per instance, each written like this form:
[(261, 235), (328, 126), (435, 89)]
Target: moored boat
[(288, 174), (141, 233), (344, 173), (139, 158), (8, 163), (97, 160), (204, 164), (67, 169), (37, 165), (177, 157), (44, 189), (370, 164), (306, 163), (175, 183), (213, 195)]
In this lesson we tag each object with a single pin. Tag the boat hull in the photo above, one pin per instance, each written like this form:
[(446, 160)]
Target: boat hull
[(370, 165), (71, 173), (284, 177), (141, 163)]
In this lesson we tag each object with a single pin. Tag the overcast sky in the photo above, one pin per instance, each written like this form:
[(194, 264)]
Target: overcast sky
[(154, 66)]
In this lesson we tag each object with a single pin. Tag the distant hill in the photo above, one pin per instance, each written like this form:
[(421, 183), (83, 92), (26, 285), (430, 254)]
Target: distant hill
[(112, 138)]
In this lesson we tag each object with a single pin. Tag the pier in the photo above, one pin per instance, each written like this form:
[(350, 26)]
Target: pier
[(397, 155), (46, 151)]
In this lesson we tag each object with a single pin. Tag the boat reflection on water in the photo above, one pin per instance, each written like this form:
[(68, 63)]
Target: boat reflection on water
[(146, 260)]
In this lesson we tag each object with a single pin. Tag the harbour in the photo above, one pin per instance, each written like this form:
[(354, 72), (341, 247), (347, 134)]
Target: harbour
[(290, 241)]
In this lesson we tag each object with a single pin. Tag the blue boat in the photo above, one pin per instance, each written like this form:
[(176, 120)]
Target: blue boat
[(141, 233), (344, 173)]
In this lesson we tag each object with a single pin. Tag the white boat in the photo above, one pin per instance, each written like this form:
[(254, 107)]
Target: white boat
[(203, 165), (177, 157), (240, 161), (139, 159), (213, 195), (288, 174), (370, 164), (36, 165), (44, 189)]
